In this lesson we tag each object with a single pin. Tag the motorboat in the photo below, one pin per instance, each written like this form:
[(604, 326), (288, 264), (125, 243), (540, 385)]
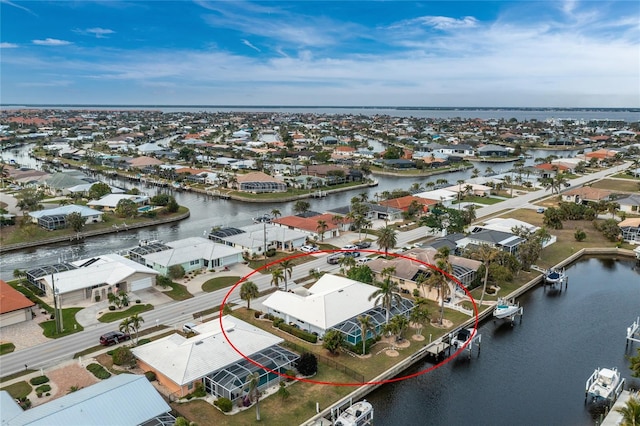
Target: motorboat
[(461, 337), (266, 218), (506, 309), (604, 384), (553, 276), (358, 414)]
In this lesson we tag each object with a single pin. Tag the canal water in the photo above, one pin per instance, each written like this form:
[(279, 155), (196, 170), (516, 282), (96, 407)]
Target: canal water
[(535, 372)]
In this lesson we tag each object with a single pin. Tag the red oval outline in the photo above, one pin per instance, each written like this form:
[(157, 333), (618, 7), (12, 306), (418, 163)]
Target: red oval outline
[(371, 383)]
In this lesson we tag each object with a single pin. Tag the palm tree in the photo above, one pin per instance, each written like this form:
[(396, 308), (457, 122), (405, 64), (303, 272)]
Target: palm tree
[(387, 238), (321, 228), (508, 181), (630, 412), (126, 325), (277, 276), (486, 254), (419, 315), (346, 263), (252, 382), (287, 270), (136, 322), (248, 291), (439, 281), (276, 213), (366, 325), (385, 295), (399, 324)]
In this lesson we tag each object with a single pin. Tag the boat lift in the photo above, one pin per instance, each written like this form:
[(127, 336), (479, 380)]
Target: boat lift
[(511, 318), (458, 338), (610, 398), (633, 333)]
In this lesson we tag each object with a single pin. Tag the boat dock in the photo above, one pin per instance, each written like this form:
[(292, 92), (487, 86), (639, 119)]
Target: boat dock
[(633, 333)]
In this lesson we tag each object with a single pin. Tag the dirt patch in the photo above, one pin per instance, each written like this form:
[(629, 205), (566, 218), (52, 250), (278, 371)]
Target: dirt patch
[(418, 337), (392, 353), (445, 324), (63, 379)]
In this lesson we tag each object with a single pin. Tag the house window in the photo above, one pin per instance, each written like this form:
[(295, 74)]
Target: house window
[(194, 262), (190, 385)]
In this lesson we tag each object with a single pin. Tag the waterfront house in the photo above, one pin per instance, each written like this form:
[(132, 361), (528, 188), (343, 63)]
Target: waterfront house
[(142, 162), (180, 363), (333, 302), (504, 241), (121, 399), (191, 253), (492, 151), (508, 225), (444, 196), (630, 229), (403, 203), (411, 267), (56, 218), (110, 201), (586, 194), (475, 189), (91, 279), (259, 182), (58, 183), (310, 225), (15, 307), (260, 237)]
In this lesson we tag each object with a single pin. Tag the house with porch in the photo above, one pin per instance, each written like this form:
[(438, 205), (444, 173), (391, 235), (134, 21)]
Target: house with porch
[(311, 225), (630, 229), (259, 182), (586, 194), (260, 237), (208, 358), (403, 203), (15, 307), (629, 204), (56, 218)]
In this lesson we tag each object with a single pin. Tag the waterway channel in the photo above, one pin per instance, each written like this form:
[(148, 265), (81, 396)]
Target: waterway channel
[(535, 372)]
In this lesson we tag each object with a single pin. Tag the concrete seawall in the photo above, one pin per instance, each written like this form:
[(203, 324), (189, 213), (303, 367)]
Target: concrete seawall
[(422, 352), (82, 235)]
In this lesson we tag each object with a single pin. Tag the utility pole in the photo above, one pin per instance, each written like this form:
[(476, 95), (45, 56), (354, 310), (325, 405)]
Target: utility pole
[(264, 236), (56, 316)]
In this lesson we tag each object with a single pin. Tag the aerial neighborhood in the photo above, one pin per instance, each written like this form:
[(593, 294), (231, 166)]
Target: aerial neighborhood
[(397, 259)]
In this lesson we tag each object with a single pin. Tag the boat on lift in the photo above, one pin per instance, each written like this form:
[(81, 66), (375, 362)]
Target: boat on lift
[(553, 276), (358, 414), (461, 337), (506, 309), (604, 384)]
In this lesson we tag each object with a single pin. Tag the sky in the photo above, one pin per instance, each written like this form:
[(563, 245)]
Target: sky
[(321, 53)]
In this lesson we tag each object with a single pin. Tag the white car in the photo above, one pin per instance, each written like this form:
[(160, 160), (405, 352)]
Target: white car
[(309, 249), (189, 327), (350, 247), (363, 260)]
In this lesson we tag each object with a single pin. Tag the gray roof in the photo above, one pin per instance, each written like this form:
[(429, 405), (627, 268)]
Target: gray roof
[(133, 400)]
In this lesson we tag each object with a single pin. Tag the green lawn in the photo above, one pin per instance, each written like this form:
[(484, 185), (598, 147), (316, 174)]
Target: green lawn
[(118, 315), (18, 389), (617, 185), (6, 348), (626, 176), (219, 282), (69, 324), (480, 200), (258, 263), (178, 292)]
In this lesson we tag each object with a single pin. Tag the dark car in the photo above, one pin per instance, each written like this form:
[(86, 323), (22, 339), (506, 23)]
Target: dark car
[(334, 259), (113, 337), (363, 244)]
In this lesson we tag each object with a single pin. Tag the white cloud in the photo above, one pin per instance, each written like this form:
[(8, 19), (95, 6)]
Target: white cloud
[(5, 45), (51, 42), (97, 32), (248, 43), (446, 23)]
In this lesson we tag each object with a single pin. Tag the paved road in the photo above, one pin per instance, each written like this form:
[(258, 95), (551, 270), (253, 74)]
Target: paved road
[(175, 314)]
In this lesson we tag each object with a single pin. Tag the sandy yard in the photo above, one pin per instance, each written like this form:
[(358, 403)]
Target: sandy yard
[(62, 379)]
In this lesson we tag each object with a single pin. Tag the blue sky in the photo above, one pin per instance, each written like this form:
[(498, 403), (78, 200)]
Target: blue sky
[(342, 53)]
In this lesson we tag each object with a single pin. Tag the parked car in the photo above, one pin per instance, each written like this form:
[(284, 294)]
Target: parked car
[(113, 337), (363, 244), (540, 210), (334, 258), (352, 253), (189, 327), (350, 247), (309, 248), (363, 260)]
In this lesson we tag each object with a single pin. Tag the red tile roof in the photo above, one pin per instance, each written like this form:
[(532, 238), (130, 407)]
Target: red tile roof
[(554, 166), (404, 202), (307, 223), (11, 299)]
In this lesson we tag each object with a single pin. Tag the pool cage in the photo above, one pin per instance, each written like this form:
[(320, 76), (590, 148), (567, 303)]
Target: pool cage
[(351, 327), (259, 187), (34, 276), (53, 222), (230, 382)]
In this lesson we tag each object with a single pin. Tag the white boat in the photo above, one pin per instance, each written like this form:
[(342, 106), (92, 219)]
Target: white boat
[(461, 337), (505, 309), (552, 276), (604, 384), (359, 414)]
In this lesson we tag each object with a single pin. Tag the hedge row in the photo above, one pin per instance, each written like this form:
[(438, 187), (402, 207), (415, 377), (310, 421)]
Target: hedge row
[(297, 332), (99, 371), (38, 380)]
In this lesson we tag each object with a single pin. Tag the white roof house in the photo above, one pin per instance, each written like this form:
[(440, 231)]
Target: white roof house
[(111, 200), (84, 211), (329, 302), (507, 224), (132, 397), (442, 195), (193, 251)]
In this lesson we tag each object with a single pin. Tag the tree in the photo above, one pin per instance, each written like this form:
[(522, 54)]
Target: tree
[(160, 199), (486, 254), (75, 221), (387, 238), (276, 213), (332, 341), (634, 364), (439, 281), (553, 218), (126, 208), (176, 272), (361, 273), (287, 270), (630, 412), (366, 325), (98, 190), (252, 382), (172, 206), (29, 199), (321, 228), (277, 276), (388, 292), (399, 324), (283, 392), (124, 298), (419, 315), (248, 291), (301, 206), (136, 321), (307, 364), (126, 325)]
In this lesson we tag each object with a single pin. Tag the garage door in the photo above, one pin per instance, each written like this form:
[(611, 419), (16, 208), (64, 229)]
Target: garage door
[(141, 284)]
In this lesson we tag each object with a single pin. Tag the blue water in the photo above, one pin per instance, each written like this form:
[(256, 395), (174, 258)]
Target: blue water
[(535, 372)]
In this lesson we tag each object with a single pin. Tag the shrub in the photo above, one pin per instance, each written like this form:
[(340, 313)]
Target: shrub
[(224, 404), (580, 235), (97, 298), (150, 375), (42, 389), (257, 314), (143, 341), (291, 373), (199, 391), (112, 308), (304, 335), (138, 301), (98, 370), (277, 321), (25, 403), (307, 364), (271, 252), (163, 281), (35, 381), (176, 272), (123, 356)]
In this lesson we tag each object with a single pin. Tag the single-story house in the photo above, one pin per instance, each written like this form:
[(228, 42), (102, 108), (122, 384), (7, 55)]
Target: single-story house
[(56, 218), (110, 201), (476, 189), (141, 162), (586, 194), (630, 230), (505, 241), (403, 203), (259, 182), (333, 302), (122, 399), (93, 278), (630, 204), (492, 151), (208, 358), (374, 211), (191, 253), (549, 170), (251, 239), (408, 271), (15, 307), (86, 187), (58, 183), (310, 225), (444, 196), (507, 225)]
